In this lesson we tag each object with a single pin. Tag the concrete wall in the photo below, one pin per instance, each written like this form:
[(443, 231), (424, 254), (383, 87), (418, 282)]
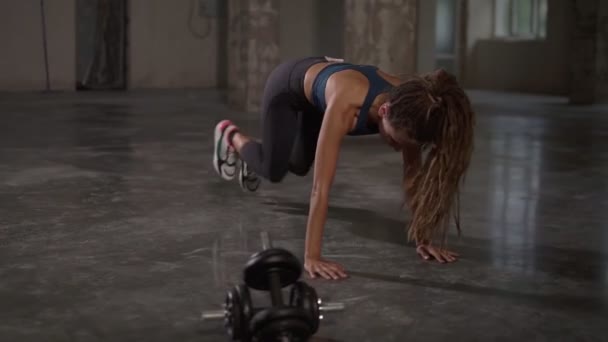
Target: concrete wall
[(163, 50), (382, 33), (540, 66), (171, 45), (425, 54), (253, 50), (329, 28), (319, 30), (22, 58), (297, 22)]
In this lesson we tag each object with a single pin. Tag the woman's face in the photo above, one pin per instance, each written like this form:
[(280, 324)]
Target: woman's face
[(392, 136)]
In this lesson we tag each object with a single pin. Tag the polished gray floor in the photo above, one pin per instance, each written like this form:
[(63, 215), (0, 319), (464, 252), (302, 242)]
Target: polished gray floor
[(114, 226)]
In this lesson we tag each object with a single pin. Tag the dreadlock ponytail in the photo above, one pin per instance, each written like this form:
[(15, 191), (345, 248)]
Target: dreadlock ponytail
[(437, 113)]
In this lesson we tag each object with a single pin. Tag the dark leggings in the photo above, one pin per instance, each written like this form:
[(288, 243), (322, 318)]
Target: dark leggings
[(290, 125)]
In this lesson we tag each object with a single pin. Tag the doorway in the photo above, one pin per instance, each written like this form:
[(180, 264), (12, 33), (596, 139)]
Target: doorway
[(101, 44)]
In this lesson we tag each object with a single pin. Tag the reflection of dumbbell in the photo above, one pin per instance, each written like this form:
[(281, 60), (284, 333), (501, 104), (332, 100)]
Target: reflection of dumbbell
[(271, 270)]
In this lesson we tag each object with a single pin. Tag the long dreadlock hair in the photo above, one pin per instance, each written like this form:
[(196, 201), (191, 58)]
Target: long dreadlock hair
[(435, 111)]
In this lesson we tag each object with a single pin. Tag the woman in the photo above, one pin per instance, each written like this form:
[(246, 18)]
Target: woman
[(311, 104)]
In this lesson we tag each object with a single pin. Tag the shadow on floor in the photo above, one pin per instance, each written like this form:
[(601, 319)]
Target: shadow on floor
[(557, 301), (323, 339), (210, 332), (556, 262)]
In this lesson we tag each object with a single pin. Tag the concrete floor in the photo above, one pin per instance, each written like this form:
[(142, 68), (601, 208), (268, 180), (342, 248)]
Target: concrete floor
[(114, 226)]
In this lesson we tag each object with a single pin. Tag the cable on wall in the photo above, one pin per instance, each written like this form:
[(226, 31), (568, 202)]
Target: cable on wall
[(44, 43)]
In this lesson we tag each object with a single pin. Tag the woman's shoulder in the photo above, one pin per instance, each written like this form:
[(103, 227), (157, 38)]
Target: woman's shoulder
[(350, 88)]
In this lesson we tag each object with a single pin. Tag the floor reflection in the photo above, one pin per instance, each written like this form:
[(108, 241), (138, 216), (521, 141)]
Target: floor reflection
[(515, 164)]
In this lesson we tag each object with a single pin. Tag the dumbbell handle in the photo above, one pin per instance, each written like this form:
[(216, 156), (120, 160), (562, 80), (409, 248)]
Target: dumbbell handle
[(220, 314), (266, 243), (327, 307), (213, 315)]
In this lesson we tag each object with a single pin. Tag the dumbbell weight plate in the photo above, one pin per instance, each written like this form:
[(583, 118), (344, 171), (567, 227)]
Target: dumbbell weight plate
[(305, 296), (271, 324), (278, 260), (238, 313)]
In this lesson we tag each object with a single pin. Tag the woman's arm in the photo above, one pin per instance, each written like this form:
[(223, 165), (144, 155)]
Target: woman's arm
[(336, 124)]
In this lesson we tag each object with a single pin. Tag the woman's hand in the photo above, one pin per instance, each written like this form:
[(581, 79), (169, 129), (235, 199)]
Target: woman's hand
[(324, 268), (426, 251)]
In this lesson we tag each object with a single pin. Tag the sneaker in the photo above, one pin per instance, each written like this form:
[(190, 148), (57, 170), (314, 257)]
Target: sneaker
[(248, 179), (224, 156)]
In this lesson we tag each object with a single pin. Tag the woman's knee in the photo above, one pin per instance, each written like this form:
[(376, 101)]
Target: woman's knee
[(275, 174), (299, 169), (276, 177)]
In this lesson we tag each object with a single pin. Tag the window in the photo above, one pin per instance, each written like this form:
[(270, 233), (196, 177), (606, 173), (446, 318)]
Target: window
[(446, 34), (520, 18)]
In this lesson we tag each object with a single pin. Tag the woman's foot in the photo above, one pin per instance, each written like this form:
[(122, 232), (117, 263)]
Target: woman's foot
[(225, 157)]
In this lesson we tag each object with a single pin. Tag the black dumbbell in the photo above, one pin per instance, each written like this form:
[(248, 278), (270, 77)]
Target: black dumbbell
[(271, 270), (305, 296), (239, 309), (297, 321), (285, 323), (241, 326), (237, 313)]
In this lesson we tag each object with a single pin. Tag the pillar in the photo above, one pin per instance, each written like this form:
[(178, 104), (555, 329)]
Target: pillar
[(253, 50), (589, 67), (382, 33), (601, 91)]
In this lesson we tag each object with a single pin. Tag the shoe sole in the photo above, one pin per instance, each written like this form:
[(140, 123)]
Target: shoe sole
[(244, 184), (218, 136)]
